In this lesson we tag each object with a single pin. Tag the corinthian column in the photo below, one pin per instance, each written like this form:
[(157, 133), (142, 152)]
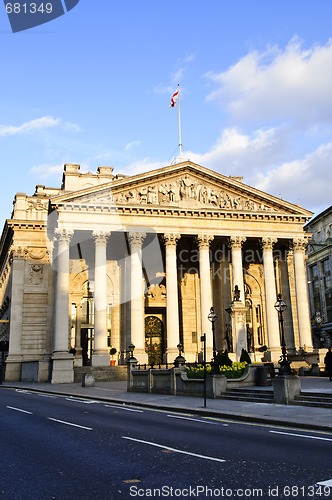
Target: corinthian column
[(239, 331), (172, 301), (204, 241), (100, 355), (301, 290), (137, 334), (62, 361), (236, 242), (270, 298)]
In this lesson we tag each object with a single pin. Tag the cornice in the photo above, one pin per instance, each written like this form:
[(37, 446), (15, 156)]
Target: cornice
[(169, 211)]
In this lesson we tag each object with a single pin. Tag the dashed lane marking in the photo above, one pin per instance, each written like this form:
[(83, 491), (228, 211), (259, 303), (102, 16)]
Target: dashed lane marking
[(70, 423), (193, 419), (301, 435), (163, 447)]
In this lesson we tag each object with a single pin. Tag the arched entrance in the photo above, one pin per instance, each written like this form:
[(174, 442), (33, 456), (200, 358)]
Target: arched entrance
[(154, 340)]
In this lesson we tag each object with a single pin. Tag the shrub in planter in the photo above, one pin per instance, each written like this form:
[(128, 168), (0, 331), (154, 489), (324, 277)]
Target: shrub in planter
[(236, 370), (223, 359), (245, 357)]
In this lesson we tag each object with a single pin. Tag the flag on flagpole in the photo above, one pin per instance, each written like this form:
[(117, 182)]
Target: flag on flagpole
[(174, 98)]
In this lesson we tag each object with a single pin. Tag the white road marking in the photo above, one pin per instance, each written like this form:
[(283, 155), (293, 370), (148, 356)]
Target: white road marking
[(84, 401), (174, 449), (123, 408), (192, 419), (22, 390), (19, 409), (47, 396), (70, 423), (301, 435), (326, 483)]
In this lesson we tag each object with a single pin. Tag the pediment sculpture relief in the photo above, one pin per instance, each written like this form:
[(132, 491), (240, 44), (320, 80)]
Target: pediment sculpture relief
[(187, 191)]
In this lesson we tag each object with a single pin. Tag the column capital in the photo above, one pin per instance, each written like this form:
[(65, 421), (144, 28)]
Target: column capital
[(236, 241), (63, 234), (300, 243), (136, 239), (268, 242), (18, 252), (204, 240), (171, 239), (101, 237)]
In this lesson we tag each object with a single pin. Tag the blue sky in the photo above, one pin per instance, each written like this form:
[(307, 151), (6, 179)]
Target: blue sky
[(93, 87)]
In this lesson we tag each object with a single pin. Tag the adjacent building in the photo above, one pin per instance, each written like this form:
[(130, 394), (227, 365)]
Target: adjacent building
[(108, 261), (319, 268)]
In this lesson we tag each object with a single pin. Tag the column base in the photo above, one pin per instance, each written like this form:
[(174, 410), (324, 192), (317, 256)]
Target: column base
[(13, 369), (62, 368), (100, 358), (171, 354), (141, 356)]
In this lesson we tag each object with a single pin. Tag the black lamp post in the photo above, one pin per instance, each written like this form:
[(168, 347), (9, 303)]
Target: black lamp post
[(213, 318), (284, 362)]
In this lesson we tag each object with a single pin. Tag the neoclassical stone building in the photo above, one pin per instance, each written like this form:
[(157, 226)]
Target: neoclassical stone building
[(111, 260)]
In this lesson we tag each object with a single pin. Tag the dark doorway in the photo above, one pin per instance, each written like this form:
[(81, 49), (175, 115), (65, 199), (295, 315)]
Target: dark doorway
[(86, 344)]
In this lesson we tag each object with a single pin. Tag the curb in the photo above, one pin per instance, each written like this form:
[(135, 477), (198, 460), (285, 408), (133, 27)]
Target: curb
[(205, 412)]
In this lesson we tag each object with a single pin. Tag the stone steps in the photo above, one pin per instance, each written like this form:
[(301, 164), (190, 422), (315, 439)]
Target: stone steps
[(314, 399), (249, 395)]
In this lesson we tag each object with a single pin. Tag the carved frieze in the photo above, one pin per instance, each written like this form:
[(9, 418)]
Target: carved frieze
[(184, 190)]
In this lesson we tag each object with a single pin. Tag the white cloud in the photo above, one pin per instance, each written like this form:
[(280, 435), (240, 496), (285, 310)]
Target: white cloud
[(37, 124), (291, 84), (132, 144), (236, 152), (306, 181), (42, 123), (140, 166), (47, 170)]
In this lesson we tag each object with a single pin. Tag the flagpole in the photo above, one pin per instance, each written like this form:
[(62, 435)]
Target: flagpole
[(179, 125)]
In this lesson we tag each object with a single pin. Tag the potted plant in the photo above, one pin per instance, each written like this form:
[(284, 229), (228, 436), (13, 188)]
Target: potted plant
[(112, 352)]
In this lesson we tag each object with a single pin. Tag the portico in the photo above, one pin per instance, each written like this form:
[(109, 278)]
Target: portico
[(142, 259)]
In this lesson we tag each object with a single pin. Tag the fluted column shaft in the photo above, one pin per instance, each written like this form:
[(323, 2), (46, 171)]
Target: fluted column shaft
[(270, 295), (204, 241), (236, 243), (172, 300), (100, 298), (137, 333), (62, 290), (301, 290)]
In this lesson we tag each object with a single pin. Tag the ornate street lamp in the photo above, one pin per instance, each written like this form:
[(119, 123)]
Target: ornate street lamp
[(213, 318), (284, 362), (131, 349)]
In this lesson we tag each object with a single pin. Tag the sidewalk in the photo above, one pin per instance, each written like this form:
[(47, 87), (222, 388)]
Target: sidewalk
[(299, 417)]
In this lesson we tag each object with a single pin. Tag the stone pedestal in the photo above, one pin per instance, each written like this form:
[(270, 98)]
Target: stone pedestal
[(239, 331), (88, 380), (286, 388), (100, 358), (63, 368), (215, 385)]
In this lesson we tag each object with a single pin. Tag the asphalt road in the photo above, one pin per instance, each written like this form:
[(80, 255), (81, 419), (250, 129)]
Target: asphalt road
[(57, 447)]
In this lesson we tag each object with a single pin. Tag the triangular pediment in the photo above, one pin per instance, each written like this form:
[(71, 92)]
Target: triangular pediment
[(185, 186)]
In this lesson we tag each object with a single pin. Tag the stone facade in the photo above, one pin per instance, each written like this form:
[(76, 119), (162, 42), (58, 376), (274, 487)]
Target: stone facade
[(319, 268), (111, 260)]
